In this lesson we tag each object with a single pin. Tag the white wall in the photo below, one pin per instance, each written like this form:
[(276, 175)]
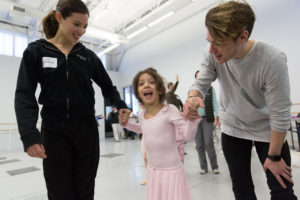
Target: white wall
[(178, 50), (278, 24), (8, 78), (9, 67)]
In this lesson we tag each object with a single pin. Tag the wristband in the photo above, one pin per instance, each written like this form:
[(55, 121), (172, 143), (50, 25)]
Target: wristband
[(275, 158)]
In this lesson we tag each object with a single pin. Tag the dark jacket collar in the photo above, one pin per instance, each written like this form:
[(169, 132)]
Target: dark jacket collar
[(49, 45)]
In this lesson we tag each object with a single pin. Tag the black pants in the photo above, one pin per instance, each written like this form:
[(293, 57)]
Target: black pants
[(237, 153), (72, 149)]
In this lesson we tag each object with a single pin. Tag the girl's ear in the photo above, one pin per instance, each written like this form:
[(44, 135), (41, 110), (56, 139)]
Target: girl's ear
[(58, 17)]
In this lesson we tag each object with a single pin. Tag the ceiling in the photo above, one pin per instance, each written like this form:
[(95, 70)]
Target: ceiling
[(111, 22)]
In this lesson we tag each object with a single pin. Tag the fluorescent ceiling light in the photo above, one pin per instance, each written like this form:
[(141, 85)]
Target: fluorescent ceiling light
[(137, 32), (150, 25), (99, 33), (161, 18), (108, 49)]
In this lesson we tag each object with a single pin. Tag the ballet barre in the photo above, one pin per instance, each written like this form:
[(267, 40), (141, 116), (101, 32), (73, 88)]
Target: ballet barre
[(10, 127), (297, 125)]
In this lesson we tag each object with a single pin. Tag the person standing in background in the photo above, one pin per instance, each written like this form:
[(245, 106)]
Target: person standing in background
[(64, 68), (173, 98), (204, 137), (118, 130)]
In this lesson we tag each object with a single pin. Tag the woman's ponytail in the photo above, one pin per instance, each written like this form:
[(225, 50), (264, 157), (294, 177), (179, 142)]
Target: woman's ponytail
[(50, 24)]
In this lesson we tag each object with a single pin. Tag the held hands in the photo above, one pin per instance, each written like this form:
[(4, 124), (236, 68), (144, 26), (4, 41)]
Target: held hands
[(190, 108), (37, 151), (217, 122), (279, 169), (124, 115)]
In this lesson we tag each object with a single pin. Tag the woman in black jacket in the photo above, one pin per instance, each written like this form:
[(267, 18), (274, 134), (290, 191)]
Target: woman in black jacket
[(64, 68)]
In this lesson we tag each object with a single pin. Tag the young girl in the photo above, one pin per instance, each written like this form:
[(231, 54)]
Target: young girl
[(159, 122)]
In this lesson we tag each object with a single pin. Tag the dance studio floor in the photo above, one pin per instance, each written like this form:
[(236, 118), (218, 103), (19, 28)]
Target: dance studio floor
[(122, 169)]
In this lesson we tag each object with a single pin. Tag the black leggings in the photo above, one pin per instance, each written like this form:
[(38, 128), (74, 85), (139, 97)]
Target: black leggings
[(72, 149), (237, 153)]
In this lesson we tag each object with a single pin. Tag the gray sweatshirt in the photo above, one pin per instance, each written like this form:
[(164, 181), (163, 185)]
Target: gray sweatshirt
[(254, 92)]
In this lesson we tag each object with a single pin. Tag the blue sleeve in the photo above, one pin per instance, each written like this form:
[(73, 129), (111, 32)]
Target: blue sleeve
[(215, 103)]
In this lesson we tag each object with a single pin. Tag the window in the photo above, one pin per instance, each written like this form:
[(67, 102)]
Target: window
[(12, 44), (6, 44), (127, 96), (135, 103), (20, 45), (130, 99)]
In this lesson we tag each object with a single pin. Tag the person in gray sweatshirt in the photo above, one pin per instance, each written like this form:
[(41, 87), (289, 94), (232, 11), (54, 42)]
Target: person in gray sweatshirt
[(254, 99)]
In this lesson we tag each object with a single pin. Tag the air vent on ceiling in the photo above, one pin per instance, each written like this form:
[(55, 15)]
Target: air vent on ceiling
[(18, 9)]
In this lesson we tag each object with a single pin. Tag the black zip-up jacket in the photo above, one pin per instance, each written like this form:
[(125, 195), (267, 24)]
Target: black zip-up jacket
[(66, 87)]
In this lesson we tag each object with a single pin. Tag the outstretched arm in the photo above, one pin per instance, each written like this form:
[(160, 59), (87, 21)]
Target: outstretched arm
[(102, 79), (185, 128), (175, 87), (124, 115)]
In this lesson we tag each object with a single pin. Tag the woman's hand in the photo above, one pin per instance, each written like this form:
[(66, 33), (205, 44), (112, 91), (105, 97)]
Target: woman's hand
[(124, 115), (37, 151)]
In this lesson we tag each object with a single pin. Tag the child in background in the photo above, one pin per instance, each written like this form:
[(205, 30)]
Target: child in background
[(159, 122)]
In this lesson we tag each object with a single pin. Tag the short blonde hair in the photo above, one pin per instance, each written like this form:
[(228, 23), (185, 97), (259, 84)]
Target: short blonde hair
[(229, 20)]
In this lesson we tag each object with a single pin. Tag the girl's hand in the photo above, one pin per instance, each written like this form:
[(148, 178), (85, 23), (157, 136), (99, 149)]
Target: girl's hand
[(124, 115)]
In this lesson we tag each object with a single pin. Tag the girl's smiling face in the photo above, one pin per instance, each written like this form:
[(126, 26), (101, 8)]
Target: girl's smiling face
[(147, 89)]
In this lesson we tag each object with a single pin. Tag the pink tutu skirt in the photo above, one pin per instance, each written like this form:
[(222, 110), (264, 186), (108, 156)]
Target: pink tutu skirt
[(167, 184)]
